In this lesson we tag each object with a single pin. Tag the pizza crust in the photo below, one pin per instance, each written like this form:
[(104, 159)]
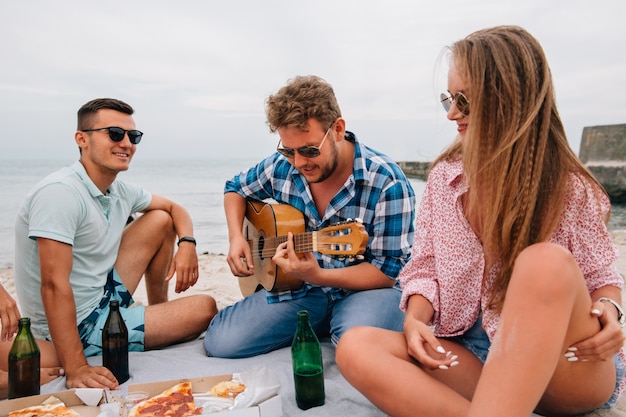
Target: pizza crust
[(45, 410), (228, 389)]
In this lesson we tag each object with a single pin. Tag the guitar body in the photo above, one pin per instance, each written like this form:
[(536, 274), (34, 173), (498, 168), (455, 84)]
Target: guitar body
[(266, 226), (267, 221)]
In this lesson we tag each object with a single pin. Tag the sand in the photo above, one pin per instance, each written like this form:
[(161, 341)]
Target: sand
[(217, 280)]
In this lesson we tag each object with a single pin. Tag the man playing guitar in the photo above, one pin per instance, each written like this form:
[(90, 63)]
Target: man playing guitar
[(325, 173)]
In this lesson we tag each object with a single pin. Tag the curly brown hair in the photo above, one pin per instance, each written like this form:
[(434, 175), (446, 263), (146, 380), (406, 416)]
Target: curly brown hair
[(303, 97)]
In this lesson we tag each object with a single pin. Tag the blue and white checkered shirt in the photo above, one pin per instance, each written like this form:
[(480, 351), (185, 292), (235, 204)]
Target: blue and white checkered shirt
[(377, 192)]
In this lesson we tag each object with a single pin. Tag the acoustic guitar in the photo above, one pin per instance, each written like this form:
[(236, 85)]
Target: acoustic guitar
[(266, 226)]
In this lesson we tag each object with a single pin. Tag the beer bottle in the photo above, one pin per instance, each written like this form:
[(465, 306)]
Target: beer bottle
[(115, 344), (24, 363), (308, 370)]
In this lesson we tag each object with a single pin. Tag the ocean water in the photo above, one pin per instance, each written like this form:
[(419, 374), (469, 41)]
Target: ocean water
[(197, 184)]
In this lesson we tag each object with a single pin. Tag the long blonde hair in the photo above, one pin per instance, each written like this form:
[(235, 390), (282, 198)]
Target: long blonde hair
[(515, 154)]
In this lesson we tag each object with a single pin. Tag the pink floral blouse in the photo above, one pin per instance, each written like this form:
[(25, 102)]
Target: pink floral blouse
[(447, 261)]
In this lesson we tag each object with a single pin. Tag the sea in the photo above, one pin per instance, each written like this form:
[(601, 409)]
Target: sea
[(197, 184)]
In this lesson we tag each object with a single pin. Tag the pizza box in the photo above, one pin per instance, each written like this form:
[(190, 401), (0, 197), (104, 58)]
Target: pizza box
[(69, 398), (271, 407)]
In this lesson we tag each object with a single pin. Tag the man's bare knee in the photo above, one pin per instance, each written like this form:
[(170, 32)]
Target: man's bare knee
[(206, 310), (154, 219)]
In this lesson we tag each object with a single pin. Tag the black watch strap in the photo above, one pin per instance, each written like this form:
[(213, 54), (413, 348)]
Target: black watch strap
[(186, 239)]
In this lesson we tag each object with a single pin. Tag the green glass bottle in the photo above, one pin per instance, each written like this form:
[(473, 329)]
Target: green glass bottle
[(24, 362), (115, 344), (308, 370)]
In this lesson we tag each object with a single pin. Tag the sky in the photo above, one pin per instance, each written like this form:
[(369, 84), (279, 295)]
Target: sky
[(198, 72)]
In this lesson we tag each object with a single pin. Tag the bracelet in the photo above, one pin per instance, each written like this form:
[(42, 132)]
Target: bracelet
[(186, 239), (621, 318)]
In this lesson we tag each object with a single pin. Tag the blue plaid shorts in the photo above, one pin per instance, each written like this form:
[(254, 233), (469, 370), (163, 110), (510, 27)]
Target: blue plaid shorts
[(90, 329)]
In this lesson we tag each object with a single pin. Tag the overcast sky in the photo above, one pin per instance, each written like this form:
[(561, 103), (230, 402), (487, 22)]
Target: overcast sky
[(198, 72)]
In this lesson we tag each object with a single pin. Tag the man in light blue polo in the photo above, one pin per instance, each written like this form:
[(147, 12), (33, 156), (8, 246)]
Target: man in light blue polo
[(74, 253)]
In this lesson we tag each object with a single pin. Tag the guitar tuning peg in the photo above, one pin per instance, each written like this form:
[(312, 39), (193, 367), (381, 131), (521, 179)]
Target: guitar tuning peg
[(359, 220), (351, 258), (360, 257), (341, 258)]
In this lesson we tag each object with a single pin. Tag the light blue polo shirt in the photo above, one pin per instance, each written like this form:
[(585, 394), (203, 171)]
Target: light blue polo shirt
[(68, 207)]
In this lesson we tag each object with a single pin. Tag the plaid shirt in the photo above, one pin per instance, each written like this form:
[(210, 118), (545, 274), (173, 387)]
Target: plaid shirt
[(377, 192)]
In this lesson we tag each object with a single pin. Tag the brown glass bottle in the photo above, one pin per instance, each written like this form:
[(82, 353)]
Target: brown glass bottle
[(308, 370), (115, 344), (24, 363)]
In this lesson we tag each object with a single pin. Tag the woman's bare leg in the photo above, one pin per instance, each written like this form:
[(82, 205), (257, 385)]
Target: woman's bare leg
[(547, 309), (375, 361)]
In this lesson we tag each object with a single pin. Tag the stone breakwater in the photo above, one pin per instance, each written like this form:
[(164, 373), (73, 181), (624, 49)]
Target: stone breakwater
[(602, 150), (415, 169)]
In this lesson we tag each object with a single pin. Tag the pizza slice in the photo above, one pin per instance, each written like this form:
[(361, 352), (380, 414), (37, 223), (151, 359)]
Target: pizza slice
[(45, 410), (228, 389), (176, 401)]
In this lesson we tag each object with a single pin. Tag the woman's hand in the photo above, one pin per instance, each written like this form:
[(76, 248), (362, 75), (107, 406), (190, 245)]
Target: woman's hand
[(604, 344), (424, 347)]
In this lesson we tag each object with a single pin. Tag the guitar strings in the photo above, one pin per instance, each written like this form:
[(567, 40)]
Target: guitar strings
[(302, 243), (264, 248)]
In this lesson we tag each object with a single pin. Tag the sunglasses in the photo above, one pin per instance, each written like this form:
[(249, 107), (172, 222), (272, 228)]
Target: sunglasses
[(459, 99), (117, 134), (306, 151)]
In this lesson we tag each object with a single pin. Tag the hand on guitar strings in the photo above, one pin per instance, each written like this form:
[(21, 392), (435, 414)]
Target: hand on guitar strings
[(302, 266), (238, 256)]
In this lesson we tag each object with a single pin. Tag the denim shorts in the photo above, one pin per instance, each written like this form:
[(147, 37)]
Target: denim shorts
[(90, 329), (476, 341)]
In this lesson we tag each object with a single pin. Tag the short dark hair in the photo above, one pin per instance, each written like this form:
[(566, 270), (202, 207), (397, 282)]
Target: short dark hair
[(89, 109)]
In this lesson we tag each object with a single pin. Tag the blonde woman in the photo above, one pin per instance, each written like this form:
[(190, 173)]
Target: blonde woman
[(512, 301)]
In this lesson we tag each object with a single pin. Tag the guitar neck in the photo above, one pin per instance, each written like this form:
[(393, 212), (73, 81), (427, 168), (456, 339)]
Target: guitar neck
[(303, 242)]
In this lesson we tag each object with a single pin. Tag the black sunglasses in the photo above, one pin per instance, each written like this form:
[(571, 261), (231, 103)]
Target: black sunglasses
[(459, 99), (117, 134), (306, 151)]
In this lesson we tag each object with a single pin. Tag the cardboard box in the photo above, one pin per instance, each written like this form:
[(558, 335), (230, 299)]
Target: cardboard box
[(69, 398), (272, 407)]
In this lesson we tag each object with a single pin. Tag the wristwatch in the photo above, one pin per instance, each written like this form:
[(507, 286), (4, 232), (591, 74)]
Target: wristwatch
[(186, 239), (621, 318)]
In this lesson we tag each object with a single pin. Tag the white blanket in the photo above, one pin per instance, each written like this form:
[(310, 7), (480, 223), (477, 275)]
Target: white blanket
[(188, 360)]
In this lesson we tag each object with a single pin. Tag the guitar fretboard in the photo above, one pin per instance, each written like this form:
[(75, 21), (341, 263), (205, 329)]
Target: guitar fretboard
[(303, 242)]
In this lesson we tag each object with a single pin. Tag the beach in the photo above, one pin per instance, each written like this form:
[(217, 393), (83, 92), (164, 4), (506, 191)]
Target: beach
[(217, 280), (189, 359)]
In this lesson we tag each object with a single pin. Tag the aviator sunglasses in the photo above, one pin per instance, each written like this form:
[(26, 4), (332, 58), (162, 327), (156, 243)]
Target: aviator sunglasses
[(459, 99), (306, 151), (117, 134)]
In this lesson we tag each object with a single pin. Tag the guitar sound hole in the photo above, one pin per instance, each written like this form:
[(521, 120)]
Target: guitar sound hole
[(261, 245)]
